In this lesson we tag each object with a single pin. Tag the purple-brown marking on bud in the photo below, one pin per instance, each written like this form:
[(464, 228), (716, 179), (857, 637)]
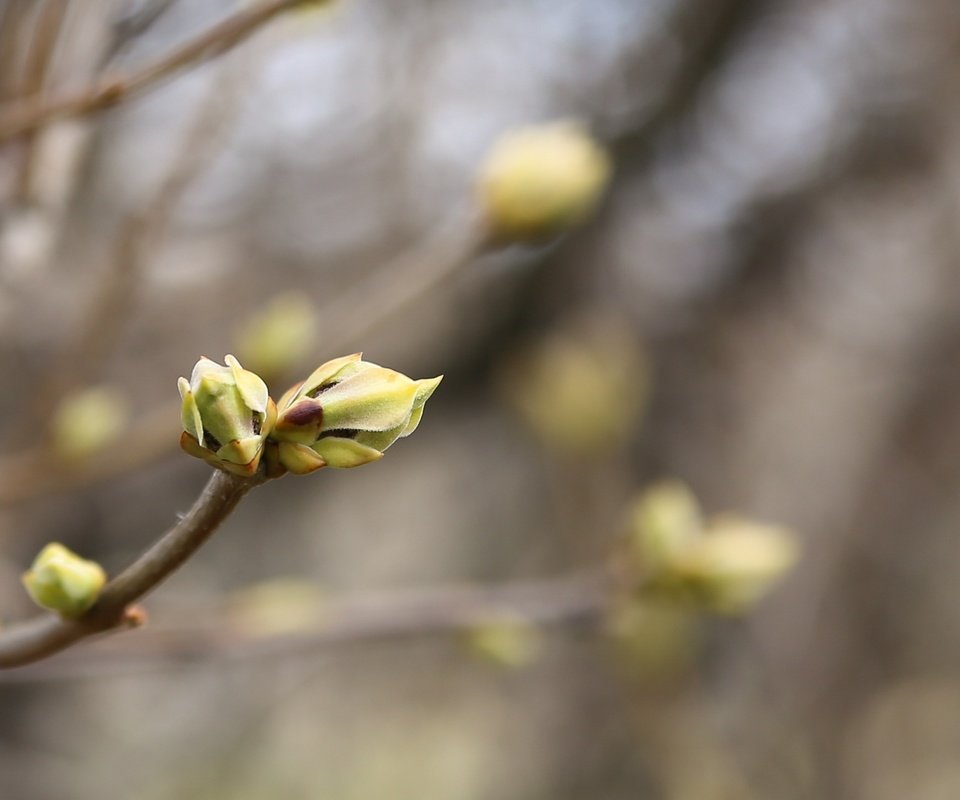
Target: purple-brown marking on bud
[(304, 412)]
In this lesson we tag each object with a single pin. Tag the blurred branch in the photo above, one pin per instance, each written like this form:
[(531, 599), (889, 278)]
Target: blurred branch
[(719, 28), (36, 70), (48, 26), (44, 636), (372, 301), (581, 597), (111, 306), (34, 112), (13, 19), (39, 471), (132, 24)]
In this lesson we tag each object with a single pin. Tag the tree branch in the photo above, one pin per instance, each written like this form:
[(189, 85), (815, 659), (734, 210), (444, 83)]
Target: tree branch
[(376, 298), (30, 114), (44, 636)]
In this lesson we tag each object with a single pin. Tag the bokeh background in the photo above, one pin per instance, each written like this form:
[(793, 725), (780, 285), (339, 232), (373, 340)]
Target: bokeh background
[(771, 280)]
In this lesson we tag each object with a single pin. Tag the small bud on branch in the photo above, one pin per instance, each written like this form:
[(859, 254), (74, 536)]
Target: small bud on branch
[(226, 415), (347, 413), (62, 581)]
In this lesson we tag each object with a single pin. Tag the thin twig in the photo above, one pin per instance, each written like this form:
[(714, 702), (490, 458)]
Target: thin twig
[(36, 72), (33, 113), (377, 298), (133, 24), (14, 17), (46, 635)]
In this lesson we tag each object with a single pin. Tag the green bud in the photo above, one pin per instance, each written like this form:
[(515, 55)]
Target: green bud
[(63, 582), (87, 421), (736, 562), (581, 389), (541, 180), (724, 564), (347, 413), (226, 415), (656, 639), (665, 521)]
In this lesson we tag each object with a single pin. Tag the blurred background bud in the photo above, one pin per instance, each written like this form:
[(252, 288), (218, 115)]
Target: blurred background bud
[(724, 564), (582, 391), (540, 180), (664, 521), (347, 413), (87, 421), (284, 605), (736, 562), (280, 336), (506, 642), (62, 581), (656, 640), (226, 415)]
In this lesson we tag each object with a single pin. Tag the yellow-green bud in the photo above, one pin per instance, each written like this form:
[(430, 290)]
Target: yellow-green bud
[(280, 336), (63, 582), (736, 562), (347, 413), (724, 564), (581, 390), (541, 180), (665, 521), (226, 415), (87, 421), (657, 638)]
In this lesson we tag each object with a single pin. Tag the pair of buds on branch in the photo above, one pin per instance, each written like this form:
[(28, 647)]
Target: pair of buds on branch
[(347, 413)]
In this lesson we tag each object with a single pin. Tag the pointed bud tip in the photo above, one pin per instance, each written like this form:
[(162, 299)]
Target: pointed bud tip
[(431, 383)]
